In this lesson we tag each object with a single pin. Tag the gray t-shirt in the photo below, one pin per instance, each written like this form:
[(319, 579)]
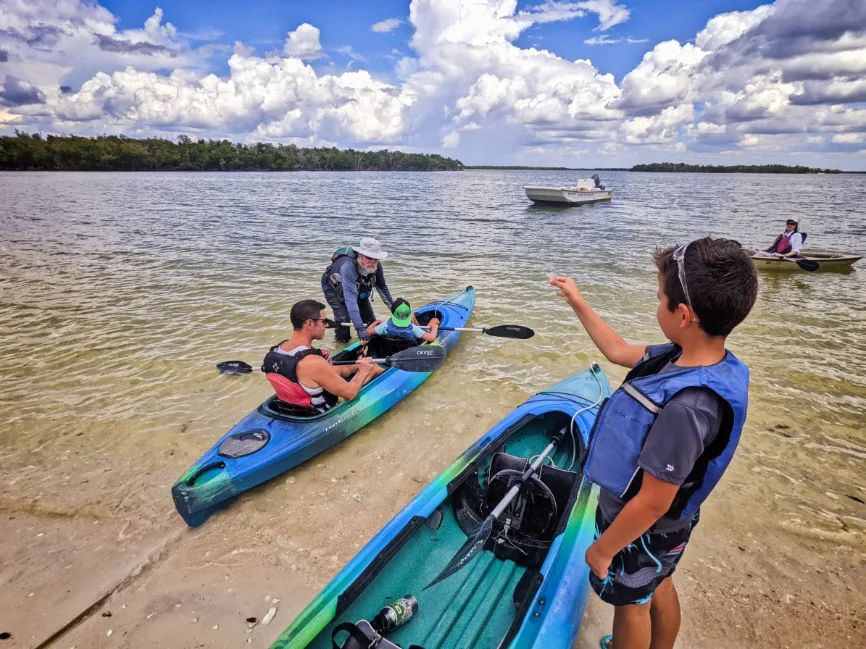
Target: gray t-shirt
[(687, 424)]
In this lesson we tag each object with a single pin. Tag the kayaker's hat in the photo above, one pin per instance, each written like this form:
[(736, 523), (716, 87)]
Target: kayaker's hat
[(370, 247), (401, 313), (791, 222)]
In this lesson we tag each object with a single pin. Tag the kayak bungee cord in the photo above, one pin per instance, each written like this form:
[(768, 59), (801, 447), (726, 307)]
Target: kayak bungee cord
[(595, 370)]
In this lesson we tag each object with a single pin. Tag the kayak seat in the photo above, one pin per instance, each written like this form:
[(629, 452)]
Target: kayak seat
[(528, 541), (425, 318), (274, 407), (560, 483), (387, 346)]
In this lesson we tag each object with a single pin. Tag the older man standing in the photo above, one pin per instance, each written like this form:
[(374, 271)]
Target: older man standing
[(348, 285)]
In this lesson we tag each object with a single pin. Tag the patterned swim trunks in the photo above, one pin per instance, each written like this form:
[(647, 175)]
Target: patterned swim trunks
[(641, 566)]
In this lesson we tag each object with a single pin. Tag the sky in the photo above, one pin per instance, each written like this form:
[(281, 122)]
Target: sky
[(594, 83)]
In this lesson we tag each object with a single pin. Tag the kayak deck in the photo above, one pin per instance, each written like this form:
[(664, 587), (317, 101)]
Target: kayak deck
[(484, 603)]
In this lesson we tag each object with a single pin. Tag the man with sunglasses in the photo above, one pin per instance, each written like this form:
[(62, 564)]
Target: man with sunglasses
[(348, 285), (662, 441), (302, 375)]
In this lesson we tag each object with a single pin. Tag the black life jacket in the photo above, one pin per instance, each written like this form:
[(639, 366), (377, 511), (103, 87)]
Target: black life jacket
[(365, 282), (281, 369)]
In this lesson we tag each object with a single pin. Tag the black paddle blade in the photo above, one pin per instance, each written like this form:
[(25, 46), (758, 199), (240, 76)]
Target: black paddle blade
[(471, 549), (234, 367), (510, 331), (807, 264), (424, 358)]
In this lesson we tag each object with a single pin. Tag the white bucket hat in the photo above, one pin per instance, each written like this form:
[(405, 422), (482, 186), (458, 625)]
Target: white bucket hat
[(370, 247)]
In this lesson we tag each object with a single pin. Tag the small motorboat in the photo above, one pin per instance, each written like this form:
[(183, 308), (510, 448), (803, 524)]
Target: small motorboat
[(588, 190), (808, 260)]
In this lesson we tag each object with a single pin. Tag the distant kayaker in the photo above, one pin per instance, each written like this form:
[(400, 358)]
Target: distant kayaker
[(662, 441), (348, 284), (400, 327), (788, 243), (303, 375)]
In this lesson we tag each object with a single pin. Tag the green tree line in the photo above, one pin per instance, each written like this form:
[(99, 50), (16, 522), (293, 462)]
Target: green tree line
[(721, 169), (120, 153)]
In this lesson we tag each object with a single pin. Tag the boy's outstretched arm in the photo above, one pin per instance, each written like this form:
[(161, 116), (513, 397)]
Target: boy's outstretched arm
[(609, 342)]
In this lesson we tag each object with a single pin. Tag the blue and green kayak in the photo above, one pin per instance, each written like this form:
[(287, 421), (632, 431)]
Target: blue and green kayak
[(527, 589), (273, 438)]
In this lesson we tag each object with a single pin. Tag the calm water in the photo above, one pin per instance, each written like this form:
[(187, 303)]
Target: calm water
[(118, 293)]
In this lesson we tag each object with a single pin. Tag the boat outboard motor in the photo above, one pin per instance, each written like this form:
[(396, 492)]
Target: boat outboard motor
[(597, 180)]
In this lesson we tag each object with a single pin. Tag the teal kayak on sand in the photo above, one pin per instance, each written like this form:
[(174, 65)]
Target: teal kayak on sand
[(527, 589)]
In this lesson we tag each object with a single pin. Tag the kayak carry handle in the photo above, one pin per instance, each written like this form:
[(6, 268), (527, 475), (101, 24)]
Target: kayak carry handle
[(207, 467)]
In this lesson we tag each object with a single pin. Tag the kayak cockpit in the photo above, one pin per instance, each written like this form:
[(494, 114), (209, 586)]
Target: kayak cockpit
[(485, 603), (378, 347)]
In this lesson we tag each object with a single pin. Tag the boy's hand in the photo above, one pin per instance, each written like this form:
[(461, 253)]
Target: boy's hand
[(596, 561), (567, 289), (434, 322)]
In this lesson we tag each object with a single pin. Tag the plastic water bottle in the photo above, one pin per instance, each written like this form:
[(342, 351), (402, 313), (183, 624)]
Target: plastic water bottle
[(395, 614)]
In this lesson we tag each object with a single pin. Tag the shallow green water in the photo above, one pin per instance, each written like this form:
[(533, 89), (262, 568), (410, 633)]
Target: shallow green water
[(119, 292)]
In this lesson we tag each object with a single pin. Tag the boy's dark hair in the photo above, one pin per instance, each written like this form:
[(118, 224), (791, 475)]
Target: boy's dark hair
[(721, 279), (303, 311)]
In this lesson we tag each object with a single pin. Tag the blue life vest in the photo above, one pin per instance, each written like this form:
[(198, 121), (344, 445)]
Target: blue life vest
[(400, 332), (625, 419)]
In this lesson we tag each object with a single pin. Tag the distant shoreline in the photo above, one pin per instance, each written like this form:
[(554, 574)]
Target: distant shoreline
[(528, 168), (666, 167), (25, 152), (33, 152)]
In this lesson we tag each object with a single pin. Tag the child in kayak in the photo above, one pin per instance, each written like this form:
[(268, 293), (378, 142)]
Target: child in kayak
[(662, 441), (400, 326)]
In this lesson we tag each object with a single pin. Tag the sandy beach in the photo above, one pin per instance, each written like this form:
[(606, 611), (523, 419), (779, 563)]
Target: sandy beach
[(91, 579)]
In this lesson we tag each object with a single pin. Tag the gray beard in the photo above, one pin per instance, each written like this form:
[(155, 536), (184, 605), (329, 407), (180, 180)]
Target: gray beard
[(363, 271)]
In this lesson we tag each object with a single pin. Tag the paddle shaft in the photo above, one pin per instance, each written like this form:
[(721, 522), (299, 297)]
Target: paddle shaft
[(805, 264), (808, 265), (349, 324), (375, 360), (427, 327), (512, 493)]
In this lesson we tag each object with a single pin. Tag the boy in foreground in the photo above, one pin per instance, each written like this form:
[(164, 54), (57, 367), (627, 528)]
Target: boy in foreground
[(665, 437)]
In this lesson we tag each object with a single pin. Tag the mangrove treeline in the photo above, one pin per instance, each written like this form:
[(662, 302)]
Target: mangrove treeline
[(723, 169), (119, 153)]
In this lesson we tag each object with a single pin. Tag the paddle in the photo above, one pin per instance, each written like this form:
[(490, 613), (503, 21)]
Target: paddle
[(424, 358), (475, 544), (500, 331), (805, 264)]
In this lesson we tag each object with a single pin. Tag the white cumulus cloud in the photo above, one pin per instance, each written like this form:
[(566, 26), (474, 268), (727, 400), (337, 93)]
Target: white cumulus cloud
[(387, 25), (303, 43)]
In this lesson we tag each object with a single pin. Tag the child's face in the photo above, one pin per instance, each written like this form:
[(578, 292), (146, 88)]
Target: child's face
[(672, 323)]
